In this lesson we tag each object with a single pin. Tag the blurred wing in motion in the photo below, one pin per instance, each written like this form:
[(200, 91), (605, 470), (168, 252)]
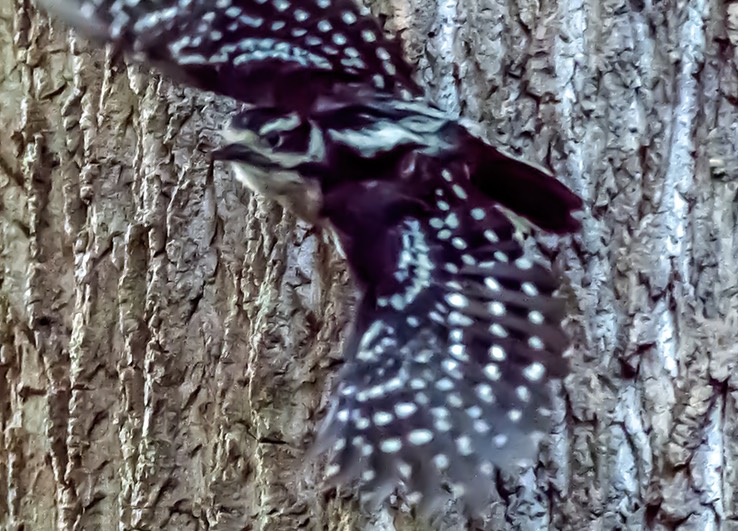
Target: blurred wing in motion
[(455, 339), (281, 53)]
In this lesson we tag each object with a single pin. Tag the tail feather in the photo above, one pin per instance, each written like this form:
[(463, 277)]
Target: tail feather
[(526, 190)]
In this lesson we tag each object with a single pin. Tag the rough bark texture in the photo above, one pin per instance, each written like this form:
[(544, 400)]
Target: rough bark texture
[(167, 341)]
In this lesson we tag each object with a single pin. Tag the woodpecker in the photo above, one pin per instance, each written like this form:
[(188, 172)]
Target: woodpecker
[(458, 328)]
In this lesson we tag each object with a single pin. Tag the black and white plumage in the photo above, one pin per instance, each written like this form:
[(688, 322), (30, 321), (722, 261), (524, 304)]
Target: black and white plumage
[(281, 53), (458, 329)]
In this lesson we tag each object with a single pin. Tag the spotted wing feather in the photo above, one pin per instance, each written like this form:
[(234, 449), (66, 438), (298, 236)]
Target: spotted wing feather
[(282, 53), (455, 339)]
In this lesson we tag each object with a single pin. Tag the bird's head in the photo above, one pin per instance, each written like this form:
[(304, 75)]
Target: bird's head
[(267, 149)]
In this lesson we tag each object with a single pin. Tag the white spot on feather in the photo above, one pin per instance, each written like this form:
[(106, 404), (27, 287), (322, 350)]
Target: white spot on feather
[(535, 342), (420, 436), (492, 371), (405, 409), (497, 308), (463, 445), (534, 372), (498, 330), (441, 461), (391, 446), (457, 300), (444, 384), (496, 352), (485, 394), (382, 418), (529, 289), (523, 393)]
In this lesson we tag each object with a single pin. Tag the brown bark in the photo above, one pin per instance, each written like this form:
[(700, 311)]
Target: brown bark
[(167, 341)]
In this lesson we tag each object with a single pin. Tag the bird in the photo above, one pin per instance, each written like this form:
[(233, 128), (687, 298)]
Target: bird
[(458, 328)]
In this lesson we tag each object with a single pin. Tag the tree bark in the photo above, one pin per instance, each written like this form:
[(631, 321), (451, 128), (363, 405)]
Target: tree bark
[(167, 342)]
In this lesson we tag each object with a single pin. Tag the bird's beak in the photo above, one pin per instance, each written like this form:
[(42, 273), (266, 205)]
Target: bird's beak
[(230, 152)]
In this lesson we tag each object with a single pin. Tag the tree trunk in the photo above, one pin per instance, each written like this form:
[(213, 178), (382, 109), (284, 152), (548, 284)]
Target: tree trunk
[(167, 341)]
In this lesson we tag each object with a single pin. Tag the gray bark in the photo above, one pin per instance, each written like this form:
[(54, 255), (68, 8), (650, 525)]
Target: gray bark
[(167, 342)]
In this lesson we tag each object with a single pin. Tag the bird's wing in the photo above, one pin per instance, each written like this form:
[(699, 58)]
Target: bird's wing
[(280, 53), (455, 339)]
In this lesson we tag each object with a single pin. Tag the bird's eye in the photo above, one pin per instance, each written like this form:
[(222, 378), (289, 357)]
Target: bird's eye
[(273, 139)]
